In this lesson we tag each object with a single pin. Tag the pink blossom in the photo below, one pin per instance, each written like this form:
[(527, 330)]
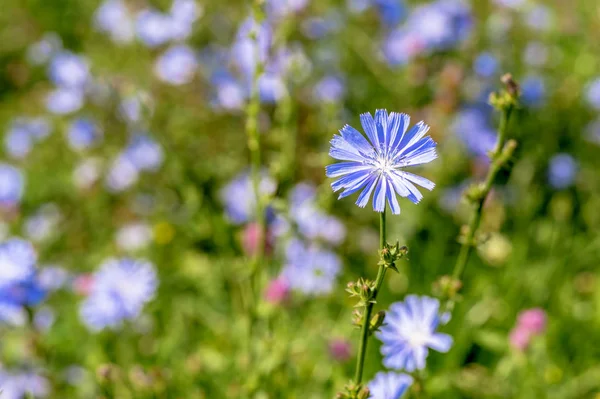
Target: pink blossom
[(278, 291), (340, 349), (519, 338), (533, 320), (251, 238)]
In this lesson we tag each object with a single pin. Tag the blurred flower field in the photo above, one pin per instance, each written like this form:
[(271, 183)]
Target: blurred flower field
[(300, 199)]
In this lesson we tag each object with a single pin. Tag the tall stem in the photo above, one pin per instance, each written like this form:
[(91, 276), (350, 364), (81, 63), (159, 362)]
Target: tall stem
[(499, 159), (364, 335), (253, 135)]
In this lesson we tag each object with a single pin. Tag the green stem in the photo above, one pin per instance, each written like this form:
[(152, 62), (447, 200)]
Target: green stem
[(499, 159), (364, 335)]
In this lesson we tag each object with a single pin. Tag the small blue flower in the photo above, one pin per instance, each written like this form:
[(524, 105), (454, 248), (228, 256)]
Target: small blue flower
[(330, 89), (312, 222), (539, 18), (11, 185), (377, 165), (177, 65), (246, 52), (122, 174), (239, 198), (409, 331), (562, 171), (535, 54), (82, 133), (485, 65), (390, 12), (17, 262), (472, 125), (114, 18), (64, 101), (309, 269), (145, 153), (23, 385), (153, 28), (389, 385), (42, 51), (592, 93), (533, 91), (68, 70), (120, 290)]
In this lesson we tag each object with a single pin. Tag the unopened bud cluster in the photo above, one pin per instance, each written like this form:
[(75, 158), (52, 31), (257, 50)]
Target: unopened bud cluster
[(354, 391), (390, 254), (508, 97)]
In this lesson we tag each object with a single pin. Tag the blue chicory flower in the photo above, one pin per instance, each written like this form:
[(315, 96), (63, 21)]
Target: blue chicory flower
[(83, 133), (533, 91), (113, 18), (11, 185), (330, 89), (177, 65), (239, 197), (377, 165), (120, 289), (410, 331), (310, 269), (562, 171), (62, 101), (389, 385), (485, 65), (68, 70)]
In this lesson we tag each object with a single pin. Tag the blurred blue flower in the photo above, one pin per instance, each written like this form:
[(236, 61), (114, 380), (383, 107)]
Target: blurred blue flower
[(230, 94), (309, 269), (52, 278), (389, 385), (42, 51), (312, 222), (562, 171), (271, 88), (64, 101), (18, 141), (441, 24), (246, 51), (390, 12), (409, 331), (281, 8), (358, 6), (401, 46), (22, 133), (17, 262), (539, 17), (120, 289), (485, 65), (83, 133), (515, 4), (23, 385), (592, 93), (68, 70), (113, 18), (177, 65), (122, 174), (472, 125), (533, 91), (144, 153), (330, 89), (239, 198), (376, 165), (183, 14), (319, 27), (44, 318), (42, 224), (11, 185), (153, 28)]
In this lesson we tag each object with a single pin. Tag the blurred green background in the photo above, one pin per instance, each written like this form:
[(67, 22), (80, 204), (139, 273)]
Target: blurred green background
[(436, 61)]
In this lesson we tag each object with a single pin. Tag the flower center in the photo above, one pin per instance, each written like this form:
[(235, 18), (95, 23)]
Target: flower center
[(383, 164), (416, 337)]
